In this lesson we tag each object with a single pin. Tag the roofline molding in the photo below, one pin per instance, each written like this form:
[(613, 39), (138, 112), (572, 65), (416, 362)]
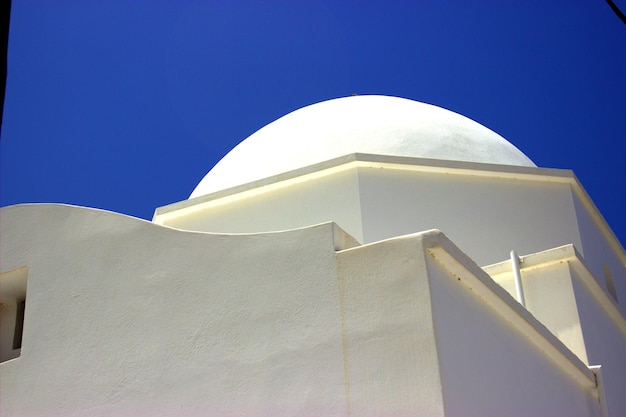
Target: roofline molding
[(362, 160)]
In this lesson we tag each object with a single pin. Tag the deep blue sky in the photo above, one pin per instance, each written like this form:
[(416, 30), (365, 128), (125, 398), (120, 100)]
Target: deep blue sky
[(125, 105)]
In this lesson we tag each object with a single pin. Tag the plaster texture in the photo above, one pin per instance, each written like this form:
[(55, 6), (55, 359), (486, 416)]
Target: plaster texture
[(368, 124), (436, 336), (561, 291), (390, 359), (505, 213), (464, 321), (298, 280), (322, 199), (599, 257), (125, 317), (605, 341), (373, 198)]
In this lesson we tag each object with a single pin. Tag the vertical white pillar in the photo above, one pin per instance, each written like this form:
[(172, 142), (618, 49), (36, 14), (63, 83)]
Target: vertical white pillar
[(517, 277)]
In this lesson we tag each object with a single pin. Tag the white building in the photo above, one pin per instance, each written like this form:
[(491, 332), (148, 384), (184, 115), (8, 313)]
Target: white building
[(305, 277)]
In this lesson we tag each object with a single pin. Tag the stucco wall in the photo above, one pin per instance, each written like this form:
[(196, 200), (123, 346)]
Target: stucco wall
[(490, 368), (124, 317), (549, 296), (423, 340), (486, 217), (322, 199), (605, 344), (598, 254), (390, 355)]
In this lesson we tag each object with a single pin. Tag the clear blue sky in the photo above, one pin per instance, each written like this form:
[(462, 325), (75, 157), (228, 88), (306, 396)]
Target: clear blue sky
[(125, 105)]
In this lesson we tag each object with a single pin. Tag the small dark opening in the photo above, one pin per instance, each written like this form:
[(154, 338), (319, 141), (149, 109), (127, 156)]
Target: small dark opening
[(610, 284), (19, 324)]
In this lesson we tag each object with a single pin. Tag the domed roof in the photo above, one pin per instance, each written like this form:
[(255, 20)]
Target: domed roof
[(359, 124)]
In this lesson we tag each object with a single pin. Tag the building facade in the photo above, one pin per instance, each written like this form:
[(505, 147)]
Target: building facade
[(355, 257)]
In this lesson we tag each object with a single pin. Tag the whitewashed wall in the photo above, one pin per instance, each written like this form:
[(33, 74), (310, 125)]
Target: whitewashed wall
[(124, 317), (549, 296), (423, 339), (485, 217), (489, 367), (323, 199), (605, 343), (390, 355), (599, 256)]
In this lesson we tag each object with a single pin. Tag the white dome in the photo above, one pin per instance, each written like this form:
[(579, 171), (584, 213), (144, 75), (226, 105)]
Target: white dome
[(359, 124)]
